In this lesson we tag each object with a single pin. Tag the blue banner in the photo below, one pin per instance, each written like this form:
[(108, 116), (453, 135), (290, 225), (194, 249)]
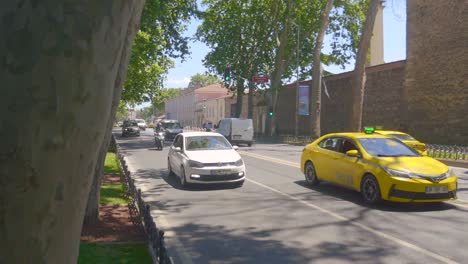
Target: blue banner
[(303, 100)]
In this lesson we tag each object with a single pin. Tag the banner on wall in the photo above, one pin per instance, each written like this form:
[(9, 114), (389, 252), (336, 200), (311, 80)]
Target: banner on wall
[(303, 100)]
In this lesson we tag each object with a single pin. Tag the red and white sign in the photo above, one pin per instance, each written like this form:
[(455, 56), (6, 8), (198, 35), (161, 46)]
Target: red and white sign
[(260, 79)]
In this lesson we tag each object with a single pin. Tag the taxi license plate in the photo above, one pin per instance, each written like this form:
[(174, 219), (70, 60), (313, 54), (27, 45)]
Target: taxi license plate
[(437, 189), (236, 137), (220, 172)]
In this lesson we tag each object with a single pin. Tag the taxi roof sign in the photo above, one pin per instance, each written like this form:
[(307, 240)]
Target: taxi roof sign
[(369, 130)]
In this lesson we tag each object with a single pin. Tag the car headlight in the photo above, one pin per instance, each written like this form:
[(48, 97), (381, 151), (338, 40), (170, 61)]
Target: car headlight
[(397, 173), (161, 134), (401, 173), (195, 164), (239, 162)]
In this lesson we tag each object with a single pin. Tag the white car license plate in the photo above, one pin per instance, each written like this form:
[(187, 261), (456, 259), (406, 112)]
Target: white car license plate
[(220, 172), (236, 137), (437, 189)]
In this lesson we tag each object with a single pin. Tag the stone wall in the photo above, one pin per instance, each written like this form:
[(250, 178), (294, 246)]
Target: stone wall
[(436, 85), (382, 101)]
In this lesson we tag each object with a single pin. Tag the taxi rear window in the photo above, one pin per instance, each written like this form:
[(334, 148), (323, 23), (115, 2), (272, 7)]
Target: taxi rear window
[(402, 136)]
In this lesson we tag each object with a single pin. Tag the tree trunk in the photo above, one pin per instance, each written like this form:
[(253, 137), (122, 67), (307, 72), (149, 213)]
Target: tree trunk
[(316, 88), (240, 97), (250, 102), (359, 76), (92, 207), (60, 63), (279, 66)]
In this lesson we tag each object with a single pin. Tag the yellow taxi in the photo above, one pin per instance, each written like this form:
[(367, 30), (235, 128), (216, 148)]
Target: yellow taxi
[(380, 167), (406, 139)]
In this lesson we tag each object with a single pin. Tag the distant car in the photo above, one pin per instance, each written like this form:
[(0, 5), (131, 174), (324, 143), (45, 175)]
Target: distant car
[(208, 126), (406, 139), (205, 158), (142, 124), (237, 130), (379, 167), (130, 128), (170, 128), (120, 124)]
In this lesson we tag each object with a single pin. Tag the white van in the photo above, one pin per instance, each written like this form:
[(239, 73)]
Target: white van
[(237, 130)]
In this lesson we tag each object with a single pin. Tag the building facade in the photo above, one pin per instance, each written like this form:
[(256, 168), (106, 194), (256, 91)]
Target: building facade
[(186, 107)]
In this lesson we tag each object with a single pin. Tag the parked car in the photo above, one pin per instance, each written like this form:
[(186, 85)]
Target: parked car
[(130, 128), (142, 124), (205, 158), (406, 139), (120, 123), (237, 130), (379, 167), (170, 128)]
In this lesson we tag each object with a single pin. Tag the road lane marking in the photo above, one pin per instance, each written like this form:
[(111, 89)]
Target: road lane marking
[(280, 161), (458, 202), (362, 226)]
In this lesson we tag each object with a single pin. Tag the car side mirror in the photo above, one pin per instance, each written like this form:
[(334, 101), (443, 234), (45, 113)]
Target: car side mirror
[(177, 149), (353, 153), (235, 148)]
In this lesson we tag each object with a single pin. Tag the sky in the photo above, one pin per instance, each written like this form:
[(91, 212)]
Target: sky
[(394, 47)]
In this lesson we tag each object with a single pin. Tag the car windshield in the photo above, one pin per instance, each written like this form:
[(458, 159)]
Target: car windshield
[(172, 125), (130, 123), (402, 137), (386, 147), (206, 143)]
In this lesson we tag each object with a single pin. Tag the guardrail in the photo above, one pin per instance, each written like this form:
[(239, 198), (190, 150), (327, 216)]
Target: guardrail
[(141, 214)]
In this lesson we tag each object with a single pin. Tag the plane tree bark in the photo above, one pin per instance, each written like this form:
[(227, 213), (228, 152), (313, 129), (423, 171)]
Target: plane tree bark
[(358, 81), (59, 65), (316, 91)]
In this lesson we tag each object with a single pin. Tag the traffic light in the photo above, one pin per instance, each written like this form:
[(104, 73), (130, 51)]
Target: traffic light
[(227, 74), (270, 113)]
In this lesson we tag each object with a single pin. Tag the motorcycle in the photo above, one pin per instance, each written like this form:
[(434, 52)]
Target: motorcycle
[(159, 140)]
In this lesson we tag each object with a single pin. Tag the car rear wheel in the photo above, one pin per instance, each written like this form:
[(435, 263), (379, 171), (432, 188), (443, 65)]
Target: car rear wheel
[(370, 190), (310, 174)]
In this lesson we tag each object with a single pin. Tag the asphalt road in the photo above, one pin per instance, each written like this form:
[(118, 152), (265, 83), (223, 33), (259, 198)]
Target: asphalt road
[(276, 218)]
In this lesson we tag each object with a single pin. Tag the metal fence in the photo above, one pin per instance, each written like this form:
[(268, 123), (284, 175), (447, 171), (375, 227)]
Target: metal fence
[(141, 214), (447, 152)]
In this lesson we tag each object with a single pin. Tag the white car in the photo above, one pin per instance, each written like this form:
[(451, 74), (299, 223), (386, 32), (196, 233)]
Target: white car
[(205, 157), (142, 124)]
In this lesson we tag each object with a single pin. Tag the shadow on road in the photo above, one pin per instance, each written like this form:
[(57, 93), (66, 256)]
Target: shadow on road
[(218, 244), (355, 197)]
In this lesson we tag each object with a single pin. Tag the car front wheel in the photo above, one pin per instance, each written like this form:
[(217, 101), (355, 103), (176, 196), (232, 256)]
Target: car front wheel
[(183, 180), (310, 174), (370, 190)]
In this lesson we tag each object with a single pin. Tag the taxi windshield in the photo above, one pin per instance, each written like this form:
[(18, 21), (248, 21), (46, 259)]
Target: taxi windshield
[(386, 147)]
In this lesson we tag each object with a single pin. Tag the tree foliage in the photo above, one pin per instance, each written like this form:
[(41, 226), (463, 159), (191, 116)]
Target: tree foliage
[(202, 80), (246, 35), (159, 39)]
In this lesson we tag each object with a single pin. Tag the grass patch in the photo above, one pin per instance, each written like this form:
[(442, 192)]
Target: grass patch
[(113, 194), (113, 253), (110, 165)]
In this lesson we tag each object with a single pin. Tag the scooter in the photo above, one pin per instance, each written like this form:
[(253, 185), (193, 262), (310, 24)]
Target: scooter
[(159, 140)]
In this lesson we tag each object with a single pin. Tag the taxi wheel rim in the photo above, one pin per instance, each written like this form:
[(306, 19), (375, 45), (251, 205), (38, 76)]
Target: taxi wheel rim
[(310, 173), (370, 190)]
